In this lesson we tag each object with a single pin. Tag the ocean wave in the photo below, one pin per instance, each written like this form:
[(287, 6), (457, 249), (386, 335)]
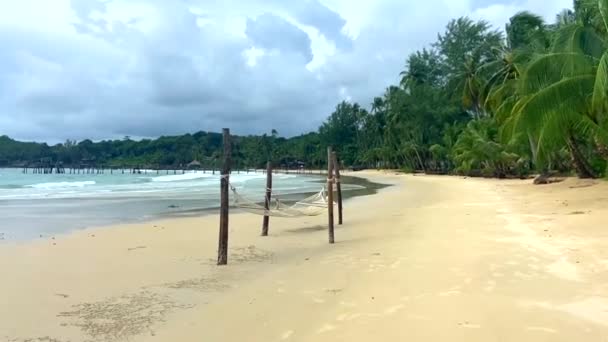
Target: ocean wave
[(183, 177), (59, 185)]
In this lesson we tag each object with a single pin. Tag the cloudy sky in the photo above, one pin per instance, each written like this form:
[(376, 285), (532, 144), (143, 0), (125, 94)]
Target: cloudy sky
[(104, 69)]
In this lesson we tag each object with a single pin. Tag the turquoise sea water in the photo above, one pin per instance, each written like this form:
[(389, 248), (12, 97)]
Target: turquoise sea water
[(32, 205)]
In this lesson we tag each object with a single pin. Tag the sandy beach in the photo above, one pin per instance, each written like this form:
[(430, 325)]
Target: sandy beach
[(426, 259)]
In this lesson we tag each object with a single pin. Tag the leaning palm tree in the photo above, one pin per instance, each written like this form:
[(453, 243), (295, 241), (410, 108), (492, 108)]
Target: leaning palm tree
[(563, 94)]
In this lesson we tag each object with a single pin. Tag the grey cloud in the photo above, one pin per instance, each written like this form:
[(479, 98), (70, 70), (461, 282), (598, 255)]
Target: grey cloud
[(108, 79), (273, 32), (328, 22)]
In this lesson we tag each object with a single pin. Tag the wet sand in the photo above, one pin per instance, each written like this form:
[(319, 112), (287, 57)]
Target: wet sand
[(427, 259)]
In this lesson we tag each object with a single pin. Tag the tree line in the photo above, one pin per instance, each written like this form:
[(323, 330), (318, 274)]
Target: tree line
[(478, 101)]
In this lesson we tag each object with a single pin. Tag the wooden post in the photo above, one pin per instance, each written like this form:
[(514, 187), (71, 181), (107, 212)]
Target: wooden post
[(267, 199), (330, 196), (222, 251), (334, 160)]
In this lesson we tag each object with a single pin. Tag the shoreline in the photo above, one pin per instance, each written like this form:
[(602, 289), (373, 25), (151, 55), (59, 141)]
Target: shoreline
[(430, 258), (370, 188)]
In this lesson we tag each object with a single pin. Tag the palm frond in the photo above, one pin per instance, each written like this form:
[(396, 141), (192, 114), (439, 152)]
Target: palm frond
[(576, 38), (549, 69), (600, 90), (566, 96), (603, 5)]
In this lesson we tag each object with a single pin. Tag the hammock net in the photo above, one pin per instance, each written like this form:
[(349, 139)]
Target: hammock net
[(311, 206)]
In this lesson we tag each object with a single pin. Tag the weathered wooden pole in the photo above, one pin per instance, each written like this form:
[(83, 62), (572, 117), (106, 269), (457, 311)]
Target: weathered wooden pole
[(330, 195), (334, 160), (222, 251), (267, 198)]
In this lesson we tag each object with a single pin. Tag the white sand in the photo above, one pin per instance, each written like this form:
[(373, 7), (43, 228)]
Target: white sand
[(428, 259)]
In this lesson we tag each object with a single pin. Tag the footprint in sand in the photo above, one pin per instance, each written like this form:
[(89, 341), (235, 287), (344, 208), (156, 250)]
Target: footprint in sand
[(469, 325)]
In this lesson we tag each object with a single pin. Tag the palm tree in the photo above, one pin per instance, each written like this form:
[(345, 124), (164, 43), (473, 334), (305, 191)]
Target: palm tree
[(563, 94)]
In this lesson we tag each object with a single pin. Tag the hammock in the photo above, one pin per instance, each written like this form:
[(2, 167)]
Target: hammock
[(311, 206)]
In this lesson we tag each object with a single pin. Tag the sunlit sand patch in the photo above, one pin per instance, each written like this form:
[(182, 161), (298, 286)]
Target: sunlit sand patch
[(318, 300), (564, 269), (342, 317), (478, 204), (519, 274), (418, 317), (393, 309), (449, 293), (542, 329), (326, 328), (395, 264), (286, 335), (348, 304), (592, 309), (490, 285)]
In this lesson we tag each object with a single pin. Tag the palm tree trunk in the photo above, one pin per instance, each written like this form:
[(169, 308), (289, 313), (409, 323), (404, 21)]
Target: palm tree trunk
[(583, 169), (533, 147), (602, 149)]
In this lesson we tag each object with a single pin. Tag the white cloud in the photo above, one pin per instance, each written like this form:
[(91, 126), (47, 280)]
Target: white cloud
[(99, 69)]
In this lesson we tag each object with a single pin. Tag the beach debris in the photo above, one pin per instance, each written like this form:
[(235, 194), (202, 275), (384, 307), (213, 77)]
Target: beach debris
[(547, 179), (248, 254), (120, 318), (173, 206), (198, 284), (334, 291), (35, 339), (134, 248), (61, 295)]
